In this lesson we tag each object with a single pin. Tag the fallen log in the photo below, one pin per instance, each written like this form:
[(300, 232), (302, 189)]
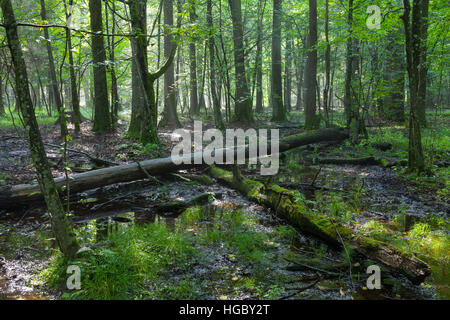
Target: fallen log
[(175, 208), (366, 161), (19, 195), (283, 201)]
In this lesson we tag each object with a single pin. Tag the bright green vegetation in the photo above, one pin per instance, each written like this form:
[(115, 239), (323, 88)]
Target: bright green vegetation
[(139, 262)]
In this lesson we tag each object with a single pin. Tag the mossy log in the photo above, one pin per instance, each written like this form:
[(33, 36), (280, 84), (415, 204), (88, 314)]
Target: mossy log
[(19, 195), (174, 208), (297, 214)]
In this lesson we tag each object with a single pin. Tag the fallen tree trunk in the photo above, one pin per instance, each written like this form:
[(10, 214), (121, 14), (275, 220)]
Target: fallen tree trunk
[(175, 208), (284, 203), (367, 161), (18, 195)]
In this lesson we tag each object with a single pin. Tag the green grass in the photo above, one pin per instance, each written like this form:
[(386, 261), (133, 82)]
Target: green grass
[(130, 264), (6, 122)]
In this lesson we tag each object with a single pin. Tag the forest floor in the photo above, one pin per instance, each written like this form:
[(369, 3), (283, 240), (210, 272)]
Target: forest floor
[(229, 248)]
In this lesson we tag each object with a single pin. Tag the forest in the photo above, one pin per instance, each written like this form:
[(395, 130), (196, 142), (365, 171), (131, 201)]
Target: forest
[(224, 150)]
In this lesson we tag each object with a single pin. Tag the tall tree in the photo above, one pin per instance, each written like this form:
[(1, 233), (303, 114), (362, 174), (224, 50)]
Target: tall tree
[(351, 99), (102, 117), (311, 69), (61, 226), (55, 87), (416, 28), (194, 107), (243, 102), (278, 109), (73, 80), (138, 52), (170, 117), (327, 68), (212, 69), (258, 58), (394, 79)]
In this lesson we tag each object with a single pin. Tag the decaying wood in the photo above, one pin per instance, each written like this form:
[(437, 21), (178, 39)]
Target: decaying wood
[(175, 208), (367, 161), (18, 195), (284, 203)]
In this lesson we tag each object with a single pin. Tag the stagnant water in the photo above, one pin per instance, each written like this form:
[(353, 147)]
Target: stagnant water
[(383, 196)]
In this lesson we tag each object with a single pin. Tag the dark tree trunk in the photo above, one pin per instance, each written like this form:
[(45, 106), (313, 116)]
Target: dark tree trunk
[(194, 107), (278, 109), (311, 69), (61, 226), (394, 80), (327, 70), (243, 106), (416, 27), (102, 117)]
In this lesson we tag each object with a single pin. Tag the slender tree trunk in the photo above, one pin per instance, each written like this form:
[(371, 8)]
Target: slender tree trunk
[(73, 80), (102, 117), (55, 87), (258, 59), (288, 75), (111, 66), (170, 117), (212, 70), (194, 107), (327, 70), (278, 109), (243, 107), (61, 226), (311, 69)]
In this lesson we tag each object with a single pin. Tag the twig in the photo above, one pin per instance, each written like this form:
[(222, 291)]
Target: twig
[(148, 175)]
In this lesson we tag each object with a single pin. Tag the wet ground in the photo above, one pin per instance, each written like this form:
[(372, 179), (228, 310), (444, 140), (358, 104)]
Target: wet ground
[(26, 244)]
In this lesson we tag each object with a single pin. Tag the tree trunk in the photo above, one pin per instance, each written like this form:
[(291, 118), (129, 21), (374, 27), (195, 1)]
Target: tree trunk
[(170, 117), (415, 37), (243, 107), (61, 226), (73, 80), (213, 72), (55, 87), (327, 70), (278, 109), (394, 80), (311, 69), (194, 107), (102, 116)]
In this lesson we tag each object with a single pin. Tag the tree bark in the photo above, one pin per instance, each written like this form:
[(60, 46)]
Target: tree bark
[(311, 69), (212, 71), (170, 117), (102, 116), (55, 87), (278, 109), (73, 79), (243, 106)]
